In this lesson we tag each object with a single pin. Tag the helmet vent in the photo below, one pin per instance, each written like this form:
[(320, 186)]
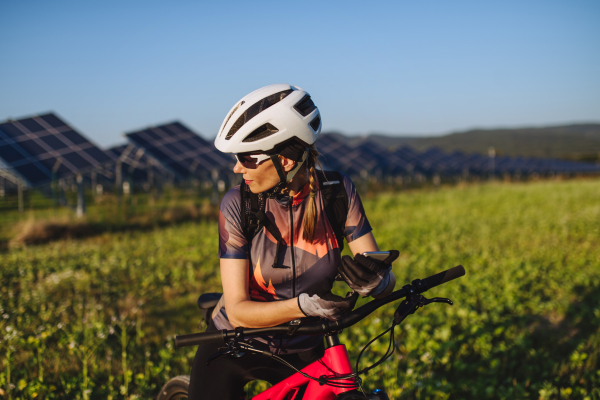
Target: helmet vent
[(261, 132), (256, 109), (315, 123), (305, 106), (231, 113)]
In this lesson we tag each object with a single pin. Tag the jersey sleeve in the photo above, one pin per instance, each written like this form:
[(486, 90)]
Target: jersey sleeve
[(357, 223), (232, 242)]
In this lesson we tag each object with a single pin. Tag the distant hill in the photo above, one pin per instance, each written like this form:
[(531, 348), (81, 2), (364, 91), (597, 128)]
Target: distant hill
[(575, 142)]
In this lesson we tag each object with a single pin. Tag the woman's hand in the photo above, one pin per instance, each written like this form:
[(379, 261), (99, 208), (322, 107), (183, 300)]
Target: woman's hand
[(367, 276), (328, 306)]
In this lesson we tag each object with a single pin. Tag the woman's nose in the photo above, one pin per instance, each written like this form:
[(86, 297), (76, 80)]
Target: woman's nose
[(238, 168)]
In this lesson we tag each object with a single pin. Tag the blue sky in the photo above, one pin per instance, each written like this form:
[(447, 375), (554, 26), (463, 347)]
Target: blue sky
[(393, 67)]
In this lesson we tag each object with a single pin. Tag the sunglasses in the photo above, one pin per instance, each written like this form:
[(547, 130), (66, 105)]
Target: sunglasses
[(251, 160)]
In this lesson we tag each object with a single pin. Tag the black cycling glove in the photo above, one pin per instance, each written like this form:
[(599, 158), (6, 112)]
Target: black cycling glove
[(366, 275)]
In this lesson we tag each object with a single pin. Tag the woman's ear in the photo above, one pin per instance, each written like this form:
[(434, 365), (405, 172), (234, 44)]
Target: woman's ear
[(287, 164)]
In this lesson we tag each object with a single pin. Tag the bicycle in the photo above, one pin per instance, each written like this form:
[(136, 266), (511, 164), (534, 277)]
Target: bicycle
[(330, 377)]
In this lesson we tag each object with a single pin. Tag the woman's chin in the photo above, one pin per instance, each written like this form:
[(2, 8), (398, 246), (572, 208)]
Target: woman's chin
[(253, 187), (256, 188)]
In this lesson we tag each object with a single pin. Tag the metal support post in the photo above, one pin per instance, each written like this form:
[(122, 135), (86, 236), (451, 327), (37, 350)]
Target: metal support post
[(119, 177), (215, 181), (54, 181), (62, 199), (80, 198)]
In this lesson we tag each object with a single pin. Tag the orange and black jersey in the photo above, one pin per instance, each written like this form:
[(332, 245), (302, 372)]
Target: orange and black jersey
[(316, 263)]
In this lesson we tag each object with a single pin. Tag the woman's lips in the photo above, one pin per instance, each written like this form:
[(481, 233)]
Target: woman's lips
[(247, 181)]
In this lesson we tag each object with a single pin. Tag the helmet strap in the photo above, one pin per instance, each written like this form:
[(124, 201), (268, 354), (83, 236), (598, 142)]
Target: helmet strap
[(283, 178), (293, 172)]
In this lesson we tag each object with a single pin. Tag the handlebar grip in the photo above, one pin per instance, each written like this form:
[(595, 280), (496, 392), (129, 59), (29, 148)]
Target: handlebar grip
[(195, 339), (438, 279)]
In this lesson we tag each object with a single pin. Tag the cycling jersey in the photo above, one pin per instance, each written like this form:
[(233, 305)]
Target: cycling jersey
[(316, 263)]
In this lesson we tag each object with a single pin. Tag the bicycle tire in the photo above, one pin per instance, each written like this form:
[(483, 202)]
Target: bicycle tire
[(175, 388)]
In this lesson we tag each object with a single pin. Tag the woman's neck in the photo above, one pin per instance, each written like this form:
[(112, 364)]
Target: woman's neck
[(297, 184)]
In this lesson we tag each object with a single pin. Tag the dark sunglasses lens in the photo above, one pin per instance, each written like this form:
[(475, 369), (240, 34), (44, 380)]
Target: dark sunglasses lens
[(247, 161)]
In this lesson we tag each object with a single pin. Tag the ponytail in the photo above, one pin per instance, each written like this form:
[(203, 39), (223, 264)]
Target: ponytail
[(311, 215)]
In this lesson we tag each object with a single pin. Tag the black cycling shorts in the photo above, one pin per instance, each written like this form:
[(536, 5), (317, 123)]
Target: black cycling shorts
[(226, 377)]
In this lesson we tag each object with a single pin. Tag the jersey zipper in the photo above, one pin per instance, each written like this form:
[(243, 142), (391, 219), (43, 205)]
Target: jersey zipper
[(292, 247)]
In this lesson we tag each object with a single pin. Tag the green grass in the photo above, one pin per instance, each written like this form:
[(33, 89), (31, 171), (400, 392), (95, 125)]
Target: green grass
[(41, 222), (95, 318)]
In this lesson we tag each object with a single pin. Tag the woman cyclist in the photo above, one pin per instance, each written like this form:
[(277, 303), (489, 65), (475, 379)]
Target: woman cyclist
[(272, 132)]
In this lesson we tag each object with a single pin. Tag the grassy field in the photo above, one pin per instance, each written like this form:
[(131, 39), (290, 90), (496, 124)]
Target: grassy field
[(95, 317)]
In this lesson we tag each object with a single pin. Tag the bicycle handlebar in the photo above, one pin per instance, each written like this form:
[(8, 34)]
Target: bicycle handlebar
[(325, 326)]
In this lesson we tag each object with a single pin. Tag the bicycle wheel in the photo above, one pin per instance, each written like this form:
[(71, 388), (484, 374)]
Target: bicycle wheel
[(175, 388)]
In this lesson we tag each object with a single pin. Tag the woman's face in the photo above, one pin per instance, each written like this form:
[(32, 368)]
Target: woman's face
[(259, 176)]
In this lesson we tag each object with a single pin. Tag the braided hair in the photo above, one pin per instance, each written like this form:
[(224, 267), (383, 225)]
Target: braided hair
[(311, 215)]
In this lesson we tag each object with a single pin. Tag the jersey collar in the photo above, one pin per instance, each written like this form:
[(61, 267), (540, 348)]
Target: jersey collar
[(298, 197)]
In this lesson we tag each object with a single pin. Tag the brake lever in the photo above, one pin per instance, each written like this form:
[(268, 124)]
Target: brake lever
[(438, 300), (217, 355), (237, 350), (412, 303), (234, 349)]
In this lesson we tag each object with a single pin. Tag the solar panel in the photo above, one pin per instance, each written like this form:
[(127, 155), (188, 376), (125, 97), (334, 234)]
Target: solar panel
[(135, 162), (33, 146), (181, 150), (332, 152), (370, 157)]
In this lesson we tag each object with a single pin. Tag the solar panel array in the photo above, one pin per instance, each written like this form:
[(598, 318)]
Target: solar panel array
[(353, 160), (135, 162), (369, 159), (181, 150), (33, 147)]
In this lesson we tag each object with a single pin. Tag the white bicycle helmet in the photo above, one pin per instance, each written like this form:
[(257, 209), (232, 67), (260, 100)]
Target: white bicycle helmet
[(268, 117), (266, 120)]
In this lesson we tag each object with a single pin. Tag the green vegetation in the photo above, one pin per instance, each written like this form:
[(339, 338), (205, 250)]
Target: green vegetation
[(42, 223), (574, 142), (95, 317)]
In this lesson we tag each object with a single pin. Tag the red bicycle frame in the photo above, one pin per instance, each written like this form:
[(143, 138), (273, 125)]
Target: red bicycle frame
[(335, 362)]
